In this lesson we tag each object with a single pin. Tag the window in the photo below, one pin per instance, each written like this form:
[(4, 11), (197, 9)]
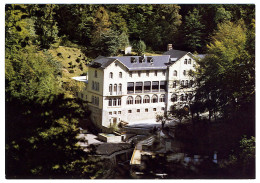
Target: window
[(182, 83), (129, 111), (139, 73), (110, 89), (92, 100), (185, 61), (163, 86), (110, 102), (147, 86), (111, 75), (162, 108), (97, 86), (138, 99), (130, 74), (130, 87), (147, 73), (154, 109), (184, 73), (114, 112), (110, 113), (164, 73), (120, 75), (189, 61), (174, 98), (138, 110), (146, 110), (155, 73), (162, 98), (187, 83), (119, 101), (129, 100), (93, 85), (120, 88), (191, 83), (174, 84), (146, 99), (138, 87), (175, 73), (155, 86), (114, 102), (95, 74), (133, 60), (119, 112), (115, 88), (154, 99)]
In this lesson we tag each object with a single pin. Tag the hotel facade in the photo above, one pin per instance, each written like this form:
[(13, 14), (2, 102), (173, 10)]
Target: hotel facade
[(135, 88)]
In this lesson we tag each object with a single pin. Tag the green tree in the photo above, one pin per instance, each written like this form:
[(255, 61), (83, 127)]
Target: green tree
[(45, 25), (139, 47), (101, 24), (192, 31), (180, 112)]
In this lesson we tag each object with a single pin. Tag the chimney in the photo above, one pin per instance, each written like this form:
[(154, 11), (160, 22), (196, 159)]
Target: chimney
[(169, 47)]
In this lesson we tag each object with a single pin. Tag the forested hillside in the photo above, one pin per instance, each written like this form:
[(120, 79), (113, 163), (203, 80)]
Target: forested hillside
[(45, 45)]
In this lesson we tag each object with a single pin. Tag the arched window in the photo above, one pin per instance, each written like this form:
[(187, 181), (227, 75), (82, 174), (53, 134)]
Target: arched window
[(120, 74), (138, 99), (114, 102), (110, 89), (119, 102), (162, 98), (175, 73), (129, 100), (110, 102), (184, 73), (191, 83), (182, 83), (115, 87), (189, 61), (174, 84), (146, 99), (174, 98), (120, 88), (154, 98), (185, 61), (95, 74), (111, 75), (187, 83)]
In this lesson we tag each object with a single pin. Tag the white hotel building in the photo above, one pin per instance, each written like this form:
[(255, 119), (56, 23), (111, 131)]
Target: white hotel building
[(136, 88)]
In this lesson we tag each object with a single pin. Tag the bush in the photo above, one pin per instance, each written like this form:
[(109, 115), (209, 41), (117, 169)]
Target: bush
[(71, 71), (78, 60)]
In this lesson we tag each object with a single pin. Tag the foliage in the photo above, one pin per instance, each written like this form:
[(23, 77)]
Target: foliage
[(226, 75), (139, 47), (193, 30), (180, 112)]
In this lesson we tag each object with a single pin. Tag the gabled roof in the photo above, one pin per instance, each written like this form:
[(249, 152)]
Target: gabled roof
[(175, 54)]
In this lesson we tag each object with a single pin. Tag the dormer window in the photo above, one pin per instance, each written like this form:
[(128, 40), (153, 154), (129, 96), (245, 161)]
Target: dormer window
[(141, 59), (150, 59), (133, 60)]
